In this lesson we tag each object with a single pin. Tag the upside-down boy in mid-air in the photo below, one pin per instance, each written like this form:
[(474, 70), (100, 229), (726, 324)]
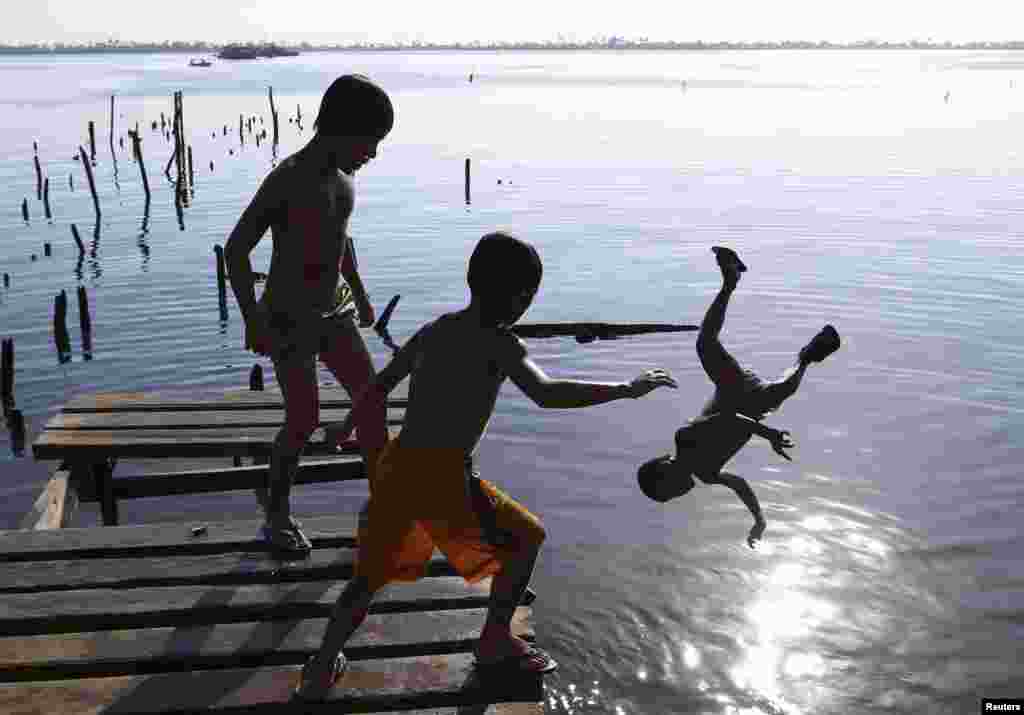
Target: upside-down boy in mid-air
[(734, 413), (425, 491)]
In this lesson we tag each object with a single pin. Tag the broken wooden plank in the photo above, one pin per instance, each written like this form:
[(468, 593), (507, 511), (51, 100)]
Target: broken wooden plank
[(153, 650), (88, 445), (162, 539), (270, 399), (111, 609), (433, 681), (257, 565), (56, 504)]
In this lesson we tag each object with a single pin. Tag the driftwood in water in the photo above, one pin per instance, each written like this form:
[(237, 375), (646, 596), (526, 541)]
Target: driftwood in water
[(583, 332), (46, 197), (39, 177), (60, 329), (137, 151), (78, 240), (92, 183)]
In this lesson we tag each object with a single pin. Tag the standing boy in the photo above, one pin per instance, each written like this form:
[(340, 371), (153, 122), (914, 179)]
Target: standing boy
[(734, 413), (425, 490), (306, 201)]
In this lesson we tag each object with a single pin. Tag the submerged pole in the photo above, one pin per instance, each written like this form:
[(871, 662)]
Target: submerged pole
[(467, 180), (92, 183)]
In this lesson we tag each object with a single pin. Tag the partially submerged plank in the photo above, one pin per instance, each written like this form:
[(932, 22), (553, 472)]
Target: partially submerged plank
[(162, 539), (56, 504), (74, 445), (177, 400), (110, 609), (210, 418), (423, 682), (254, 566), (152, 650)]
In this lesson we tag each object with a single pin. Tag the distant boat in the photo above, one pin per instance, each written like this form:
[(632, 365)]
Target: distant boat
[(201, 62), (251, 52)]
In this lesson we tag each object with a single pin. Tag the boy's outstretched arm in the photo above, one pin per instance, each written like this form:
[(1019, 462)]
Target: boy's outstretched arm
[(550, 393), (746, 494), (375, 392)]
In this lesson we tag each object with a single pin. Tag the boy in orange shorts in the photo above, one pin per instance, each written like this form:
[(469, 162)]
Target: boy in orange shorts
[(425, 491)]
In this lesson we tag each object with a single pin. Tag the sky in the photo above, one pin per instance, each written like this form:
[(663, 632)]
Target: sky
[(345, 21)]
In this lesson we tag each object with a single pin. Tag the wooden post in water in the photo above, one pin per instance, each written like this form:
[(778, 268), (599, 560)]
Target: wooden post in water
[(71, 183), (78, 240), (46, 197), (60, 328), (47, 250), (241, 129), (85, 323), (273, 113), (24, 209), (222, 293), (467, 180), (92, 183), (256, 378), (92, 140), (191, 176), (39, 177), (7, 375), (17, 425), (137, 151), (7, 280), (112, 125)]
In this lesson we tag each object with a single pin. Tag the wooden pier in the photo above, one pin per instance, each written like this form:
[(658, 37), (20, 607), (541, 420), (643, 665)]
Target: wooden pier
[(199, 616)]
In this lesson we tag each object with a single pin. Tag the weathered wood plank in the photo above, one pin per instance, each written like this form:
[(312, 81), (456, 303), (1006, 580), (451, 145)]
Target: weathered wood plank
[(56, 504), (109, 609), (153, 650), (330, 397), (211, 418), (163, 539), (254, 566), (434, 681), (145, 443), (226, 479)]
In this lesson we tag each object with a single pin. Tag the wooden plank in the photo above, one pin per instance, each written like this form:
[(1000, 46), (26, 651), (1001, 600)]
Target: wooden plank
[(109, 609), (162, 539), (243, 399), (152, 650), (423, 682), (253, 566), (227, 479), (56, 504), (211, 418), (91, 445)]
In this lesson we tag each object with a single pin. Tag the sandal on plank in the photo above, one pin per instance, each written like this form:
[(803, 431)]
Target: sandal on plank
[(523, 663), (309, 690)]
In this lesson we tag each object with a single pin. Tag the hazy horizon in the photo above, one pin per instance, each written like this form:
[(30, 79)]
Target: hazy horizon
[(570, 21)]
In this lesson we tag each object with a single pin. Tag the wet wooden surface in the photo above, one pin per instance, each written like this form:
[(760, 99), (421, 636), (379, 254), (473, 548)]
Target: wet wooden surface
[(152, 619)]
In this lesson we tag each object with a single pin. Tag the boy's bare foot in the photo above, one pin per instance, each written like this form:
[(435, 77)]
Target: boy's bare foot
[(730, 264)]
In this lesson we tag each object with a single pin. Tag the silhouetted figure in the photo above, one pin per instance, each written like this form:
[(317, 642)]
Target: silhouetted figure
[(734, 413)]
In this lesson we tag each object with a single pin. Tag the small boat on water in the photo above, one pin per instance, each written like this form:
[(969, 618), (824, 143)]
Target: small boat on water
[(251, 52), (201, 62)]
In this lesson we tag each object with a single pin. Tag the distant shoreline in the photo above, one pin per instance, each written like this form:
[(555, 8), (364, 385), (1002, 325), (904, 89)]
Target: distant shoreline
[(612, 44)]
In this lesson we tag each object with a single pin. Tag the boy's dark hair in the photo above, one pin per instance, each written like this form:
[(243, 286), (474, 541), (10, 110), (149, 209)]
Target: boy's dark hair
[(356, 106), (502, 264), (648, 476)]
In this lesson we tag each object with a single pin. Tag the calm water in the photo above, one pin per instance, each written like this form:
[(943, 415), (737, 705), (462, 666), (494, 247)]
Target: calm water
[(890, 580)]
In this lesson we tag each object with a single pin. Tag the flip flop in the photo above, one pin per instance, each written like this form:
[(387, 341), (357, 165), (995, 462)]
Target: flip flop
[(309, 691), (821, 346), (728, 257), (289, 538), (520, 663)]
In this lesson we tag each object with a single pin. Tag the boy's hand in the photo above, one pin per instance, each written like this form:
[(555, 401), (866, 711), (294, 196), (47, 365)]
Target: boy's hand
[(756, 532), (650, 380), (780, 440), (257, 330)]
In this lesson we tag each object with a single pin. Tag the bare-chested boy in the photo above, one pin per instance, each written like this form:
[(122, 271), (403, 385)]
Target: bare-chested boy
[(734, 413), (306, 201), (425, 491)]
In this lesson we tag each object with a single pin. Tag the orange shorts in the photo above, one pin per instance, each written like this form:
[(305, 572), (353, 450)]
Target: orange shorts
[(426, 497)]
